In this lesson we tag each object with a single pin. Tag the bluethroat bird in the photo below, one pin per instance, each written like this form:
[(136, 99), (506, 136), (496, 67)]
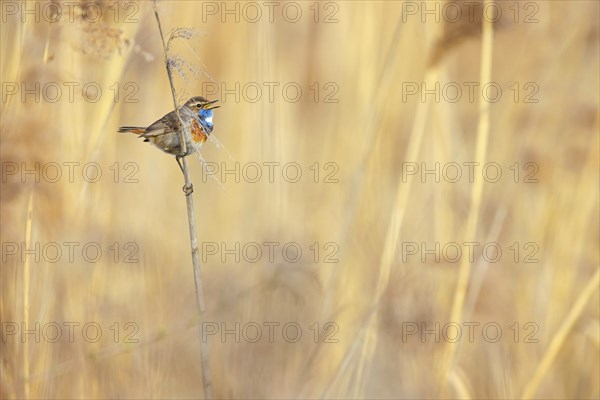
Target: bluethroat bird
[(196, 114)]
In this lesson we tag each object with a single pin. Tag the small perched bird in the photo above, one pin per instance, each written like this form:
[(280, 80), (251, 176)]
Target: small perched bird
[(196, 114)]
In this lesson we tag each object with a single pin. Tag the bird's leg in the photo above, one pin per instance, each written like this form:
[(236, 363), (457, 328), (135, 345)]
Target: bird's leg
[(178, 158), (186, 189)]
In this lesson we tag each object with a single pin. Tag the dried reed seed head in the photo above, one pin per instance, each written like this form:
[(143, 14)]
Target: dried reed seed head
[(183, 33), (463, 23), (102, 41), (96, 32)]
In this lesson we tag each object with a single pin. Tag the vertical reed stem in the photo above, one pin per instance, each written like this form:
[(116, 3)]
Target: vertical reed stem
[(204, 350)]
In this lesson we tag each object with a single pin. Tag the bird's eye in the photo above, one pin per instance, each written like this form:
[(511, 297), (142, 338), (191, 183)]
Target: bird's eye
[(199, 105)]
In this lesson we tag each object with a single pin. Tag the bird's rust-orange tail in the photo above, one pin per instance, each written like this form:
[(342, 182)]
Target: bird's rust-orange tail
[(133, 129)]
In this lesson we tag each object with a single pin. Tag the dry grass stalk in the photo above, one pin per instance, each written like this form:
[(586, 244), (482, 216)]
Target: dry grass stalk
[(561, 336), (483, 131), (204, 350)]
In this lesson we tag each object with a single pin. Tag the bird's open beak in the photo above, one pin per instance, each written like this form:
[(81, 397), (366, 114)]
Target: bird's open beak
[(209, 103)]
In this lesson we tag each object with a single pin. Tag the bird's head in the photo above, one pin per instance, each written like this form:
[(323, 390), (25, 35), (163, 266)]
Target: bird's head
[(203, 108)]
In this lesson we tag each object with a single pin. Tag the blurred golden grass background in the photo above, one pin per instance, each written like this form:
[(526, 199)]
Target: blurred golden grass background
[(371, 293)]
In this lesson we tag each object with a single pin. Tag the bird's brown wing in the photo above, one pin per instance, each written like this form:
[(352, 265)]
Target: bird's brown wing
[(167, 124)]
